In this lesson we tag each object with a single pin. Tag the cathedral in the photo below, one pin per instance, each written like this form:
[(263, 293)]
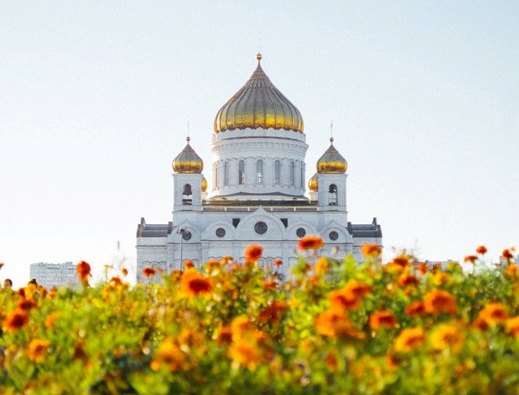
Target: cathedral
[(258, 190)]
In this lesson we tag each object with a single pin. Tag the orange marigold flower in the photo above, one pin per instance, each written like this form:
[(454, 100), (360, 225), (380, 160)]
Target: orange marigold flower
[(26, 304), (311, 243), (494, 313), (322, 266), (407, 279), (223, 335), (278, 262), (415, 308), (482, 250), (382, 318), (16, 319), (50, 320), (512, 326), (409, 339), (335, 323), (446, 335), (402, 261), (332, 361), (194, 283), (349, 296), (246, 353), (507, 254), (253, 252), (371, 250), (188, 264), (37, 350), (471, 258), (241, 325), (270, 283), (511, 270), (439, 301), (422, 268), (273, 312), (170, 355), (212, 264), (124, 271), (149, 271), (83, 270)]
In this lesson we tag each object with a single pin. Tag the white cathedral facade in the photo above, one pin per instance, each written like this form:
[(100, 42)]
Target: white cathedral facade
[(258, 190)]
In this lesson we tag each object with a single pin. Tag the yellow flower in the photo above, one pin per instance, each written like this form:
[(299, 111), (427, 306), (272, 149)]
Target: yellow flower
[(446, 335), (170, 355), (37, 350), (512, 326), (409, 339), (246, 352)]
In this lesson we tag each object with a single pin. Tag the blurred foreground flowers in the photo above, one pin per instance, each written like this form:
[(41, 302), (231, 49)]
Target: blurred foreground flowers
[(333, 327)]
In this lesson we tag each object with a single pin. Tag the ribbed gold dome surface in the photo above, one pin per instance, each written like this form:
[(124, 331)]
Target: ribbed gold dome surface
[(313, 184), (188, 161), (203, 184), (331, 162), (258, 104)]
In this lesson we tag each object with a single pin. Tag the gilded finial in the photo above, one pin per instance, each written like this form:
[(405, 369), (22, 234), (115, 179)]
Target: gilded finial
[(188, 139), (259, 57), (331, 140)]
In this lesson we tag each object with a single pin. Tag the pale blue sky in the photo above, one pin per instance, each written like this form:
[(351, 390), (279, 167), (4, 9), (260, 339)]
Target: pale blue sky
[(95, 98)]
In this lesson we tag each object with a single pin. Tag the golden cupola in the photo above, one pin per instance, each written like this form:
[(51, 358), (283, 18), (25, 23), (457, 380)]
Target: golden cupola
[(313, 183), (258, 104), (331, 162), (188, 161), (203, 184)]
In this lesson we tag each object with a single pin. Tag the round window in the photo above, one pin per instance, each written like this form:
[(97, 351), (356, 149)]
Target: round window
[(220, 232), (186, 235), (333, 235), (300, 232), (260, 228)]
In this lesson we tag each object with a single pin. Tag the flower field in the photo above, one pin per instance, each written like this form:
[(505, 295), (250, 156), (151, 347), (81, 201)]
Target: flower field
[(333, 327)]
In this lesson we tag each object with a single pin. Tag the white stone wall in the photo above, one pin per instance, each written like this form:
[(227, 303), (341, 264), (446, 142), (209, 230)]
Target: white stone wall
[(250, 146)]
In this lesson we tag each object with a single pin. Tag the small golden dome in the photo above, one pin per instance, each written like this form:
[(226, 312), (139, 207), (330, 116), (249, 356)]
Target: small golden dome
[(258, 104), (313, 184), (203, 184), (188, 161), (331, 162)]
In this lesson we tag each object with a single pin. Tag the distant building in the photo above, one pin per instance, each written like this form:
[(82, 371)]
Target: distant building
[(55, 274)]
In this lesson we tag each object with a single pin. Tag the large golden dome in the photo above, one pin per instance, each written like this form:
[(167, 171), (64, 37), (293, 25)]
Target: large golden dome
[(188, 161), (258, 104), (331, 162)]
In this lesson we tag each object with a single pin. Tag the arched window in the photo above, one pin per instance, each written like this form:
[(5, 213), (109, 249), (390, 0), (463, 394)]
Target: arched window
[(277, 172), (332, 195), (259, 171), (226, 173), (241, 172), (187, 195), (302, 177), (292, 173)]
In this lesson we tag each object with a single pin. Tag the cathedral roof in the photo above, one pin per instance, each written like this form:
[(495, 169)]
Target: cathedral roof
[(258, 104), (332, 162), (313, 183), (188, 161)]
